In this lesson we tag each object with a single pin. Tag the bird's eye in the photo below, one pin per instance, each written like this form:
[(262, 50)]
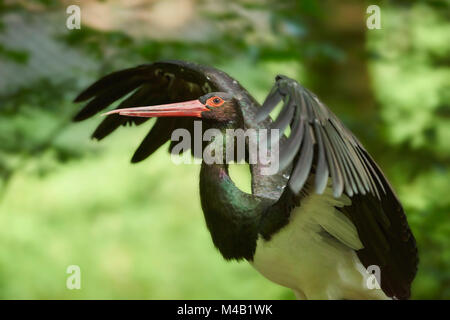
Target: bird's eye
[(215, 101)]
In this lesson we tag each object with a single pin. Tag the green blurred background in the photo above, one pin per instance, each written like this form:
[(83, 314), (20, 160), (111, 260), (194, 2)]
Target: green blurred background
[(137, 231)]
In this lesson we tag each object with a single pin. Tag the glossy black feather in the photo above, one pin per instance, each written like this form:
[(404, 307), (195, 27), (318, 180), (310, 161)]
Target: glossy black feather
[(110, 80), (387, 238), (141, 96), (106, 97), (158, 135)]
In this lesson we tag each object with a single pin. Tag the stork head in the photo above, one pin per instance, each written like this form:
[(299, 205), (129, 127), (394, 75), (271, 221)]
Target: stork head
[(220, 107)]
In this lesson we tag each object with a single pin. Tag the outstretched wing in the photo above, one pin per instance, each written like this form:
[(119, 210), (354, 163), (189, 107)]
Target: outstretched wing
[(339, 154), (168, 82), (152, 84), (320, 144)]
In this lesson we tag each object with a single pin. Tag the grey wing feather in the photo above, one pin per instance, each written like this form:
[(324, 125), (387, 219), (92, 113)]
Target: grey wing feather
[(338, 153), (319, 143)]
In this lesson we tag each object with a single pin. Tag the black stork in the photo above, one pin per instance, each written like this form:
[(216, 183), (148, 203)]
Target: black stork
[(320, 226)]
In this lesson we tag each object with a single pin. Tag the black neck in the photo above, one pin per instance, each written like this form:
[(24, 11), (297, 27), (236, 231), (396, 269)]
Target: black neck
[(232, 216)]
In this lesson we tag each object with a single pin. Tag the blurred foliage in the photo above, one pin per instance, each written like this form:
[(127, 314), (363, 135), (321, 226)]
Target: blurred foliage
[(411, 82), (68, 200)]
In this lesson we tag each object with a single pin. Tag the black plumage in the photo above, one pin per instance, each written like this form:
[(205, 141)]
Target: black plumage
[(318, 148)]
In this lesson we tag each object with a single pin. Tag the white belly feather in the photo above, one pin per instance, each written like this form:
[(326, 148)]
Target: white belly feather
[(314, 263)]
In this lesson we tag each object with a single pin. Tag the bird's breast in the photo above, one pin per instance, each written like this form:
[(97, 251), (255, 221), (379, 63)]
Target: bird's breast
[(314, 254)]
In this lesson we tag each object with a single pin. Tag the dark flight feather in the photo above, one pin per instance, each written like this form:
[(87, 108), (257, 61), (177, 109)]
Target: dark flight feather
[(375, 210), (321, 178), (152, 84), (143, 95), (273, 98), (158, 135), (106, 97), (338, 149), (109, 81)]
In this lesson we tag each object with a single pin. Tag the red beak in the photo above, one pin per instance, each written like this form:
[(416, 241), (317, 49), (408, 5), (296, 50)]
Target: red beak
[(192, 108)]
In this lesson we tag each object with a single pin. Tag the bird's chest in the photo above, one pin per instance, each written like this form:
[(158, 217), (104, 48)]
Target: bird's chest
[(305, 257), (295, 253)]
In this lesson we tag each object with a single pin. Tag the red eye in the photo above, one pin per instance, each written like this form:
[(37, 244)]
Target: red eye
[(215, 101)]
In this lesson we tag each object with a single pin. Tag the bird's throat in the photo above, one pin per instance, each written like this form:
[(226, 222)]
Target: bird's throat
[(232, 216)]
